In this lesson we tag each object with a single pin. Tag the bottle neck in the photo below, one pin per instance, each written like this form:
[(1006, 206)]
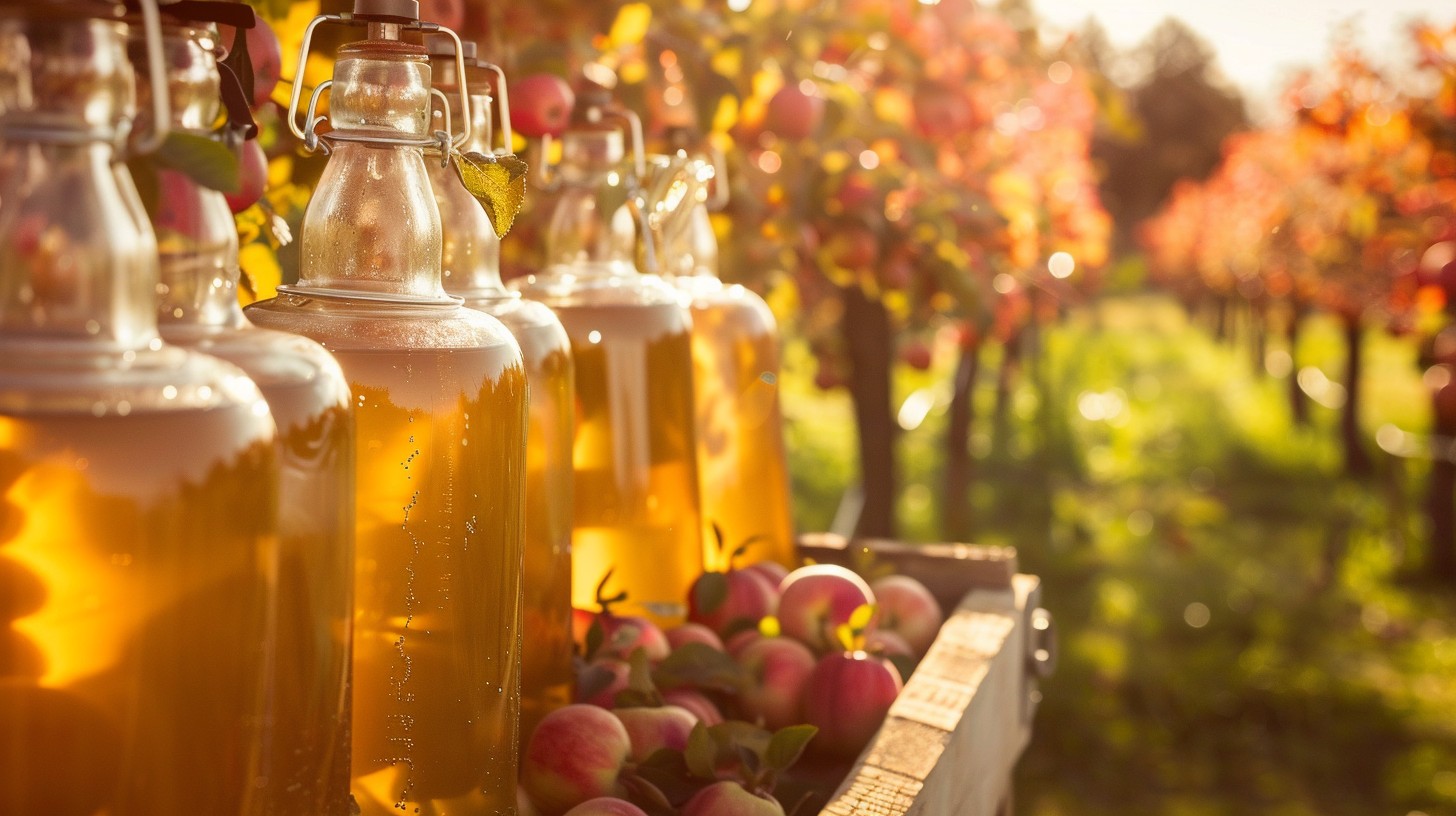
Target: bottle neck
[(77, 260), (197, 258), (372, 228)]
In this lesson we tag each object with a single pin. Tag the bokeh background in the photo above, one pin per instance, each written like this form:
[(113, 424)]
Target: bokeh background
[(1157, 293)]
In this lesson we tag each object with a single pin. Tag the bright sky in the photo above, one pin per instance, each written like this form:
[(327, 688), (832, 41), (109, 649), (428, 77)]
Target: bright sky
[(1257, 41)]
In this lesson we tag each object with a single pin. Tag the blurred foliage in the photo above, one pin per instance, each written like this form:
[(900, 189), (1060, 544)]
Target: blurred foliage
[(912, 150), (1242, 630)]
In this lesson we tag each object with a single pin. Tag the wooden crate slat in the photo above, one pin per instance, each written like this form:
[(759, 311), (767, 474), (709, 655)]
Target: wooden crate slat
[(955, 732)]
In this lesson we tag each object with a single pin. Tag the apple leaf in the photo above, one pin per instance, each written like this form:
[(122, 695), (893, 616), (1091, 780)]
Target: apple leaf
[(640, 691), (702, 753), (593, 680), (646, 793), (497, 182), (667, 771), (710, 592), (203, 159), (735, 736), (594, 637), (859, 619), (787, 745), (701, 666), (750, 760)]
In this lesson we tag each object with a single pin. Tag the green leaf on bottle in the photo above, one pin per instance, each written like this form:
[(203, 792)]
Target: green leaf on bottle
[(497, 182)]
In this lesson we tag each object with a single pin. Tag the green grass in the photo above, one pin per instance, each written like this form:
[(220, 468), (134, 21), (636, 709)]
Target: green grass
[(1321, 675)]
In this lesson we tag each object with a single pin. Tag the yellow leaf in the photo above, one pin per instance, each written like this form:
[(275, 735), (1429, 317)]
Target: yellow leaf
[(859, 619), (497, 182), (261, 273), (630, 27)]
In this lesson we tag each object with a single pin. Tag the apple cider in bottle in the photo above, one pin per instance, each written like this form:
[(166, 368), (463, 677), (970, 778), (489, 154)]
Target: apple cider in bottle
[(636, 491), (470, 264), (305, 768), (742, 466), (439, 395), (138, 550)]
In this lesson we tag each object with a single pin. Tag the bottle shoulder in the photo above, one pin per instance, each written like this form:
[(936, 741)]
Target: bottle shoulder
[(273, 359), (359, 325), (159, 378)]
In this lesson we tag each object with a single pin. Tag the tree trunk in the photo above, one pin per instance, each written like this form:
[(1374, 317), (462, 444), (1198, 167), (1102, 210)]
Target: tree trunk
[(1441, 511), (1357, 458), (1298, 402), (1258, 320), (959, 467), (868, 338), (1005, 382), (1221, 319)]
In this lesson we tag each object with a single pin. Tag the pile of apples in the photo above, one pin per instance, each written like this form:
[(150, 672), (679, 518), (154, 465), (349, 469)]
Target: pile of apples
[(703, 718)]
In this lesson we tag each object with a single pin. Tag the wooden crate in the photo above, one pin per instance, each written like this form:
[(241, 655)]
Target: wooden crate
[(954, 734)]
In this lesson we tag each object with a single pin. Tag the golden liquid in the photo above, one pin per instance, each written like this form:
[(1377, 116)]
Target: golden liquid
[(137, 573), (546, 669), (306, 770), (636, 495), (742, 469), (440, 441)]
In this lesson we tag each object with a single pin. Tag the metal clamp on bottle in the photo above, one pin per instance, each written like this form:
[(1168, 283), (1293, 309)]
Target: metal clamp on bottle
[(440, 47), (384, 20)]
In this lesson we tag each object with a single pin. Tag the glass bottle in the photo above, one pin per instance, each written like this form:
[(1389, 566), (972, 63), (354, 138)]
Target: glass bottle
[(440, 413), (743, 471), (306, 767), (137, 525), (636, 496), (470, 263)]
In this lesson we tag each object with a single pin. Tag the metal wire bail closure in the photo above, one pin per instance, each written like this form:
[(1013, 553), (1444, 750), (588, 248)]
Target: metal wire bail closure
[(157, 68), (393, 16)]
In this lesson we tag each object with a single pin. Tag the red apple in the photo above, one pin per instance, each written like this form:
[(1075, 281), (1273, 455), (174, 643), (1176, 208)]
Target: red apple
[(695, 701), (742, 640), (908, 609), (778, 667), (600, 680), (750, 598), (624, 634), (772, 570), (730, 799), (650, 729), (575, 754), (448, 13), (693, 633), (793, 114), (816, 599), (606, 806), (252, 177), (541, 104), (847, 697), (917, 354)]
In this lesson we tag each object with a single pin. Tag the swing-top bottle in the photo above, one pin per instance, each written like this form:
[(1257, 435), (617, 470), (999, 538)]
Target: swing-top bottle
[(636, 492), (440, 410), (139, 480)]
